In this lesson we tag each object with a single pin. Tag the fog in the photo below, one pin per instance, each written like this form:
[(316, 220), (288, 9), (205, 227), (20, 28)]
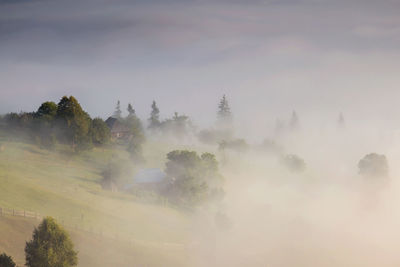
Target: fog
[(328, 215), (317, 58)]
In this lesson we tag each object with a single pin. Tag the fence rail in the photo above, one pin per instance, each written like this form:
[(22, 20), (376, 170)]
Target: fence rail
[(21, 213)]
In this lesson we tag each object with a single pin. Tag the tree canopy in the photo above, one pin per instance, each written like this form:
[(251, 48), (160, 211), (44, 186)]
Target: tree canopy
[(6, 261), (50, 246)]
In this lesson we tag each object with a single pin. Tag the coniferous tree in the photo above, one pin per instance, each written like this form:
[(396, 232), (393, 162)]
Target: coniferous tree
[(341, 122), (294, 121), (118, 112), (224, 111), (154, 120), (6, 261), (131, 110)]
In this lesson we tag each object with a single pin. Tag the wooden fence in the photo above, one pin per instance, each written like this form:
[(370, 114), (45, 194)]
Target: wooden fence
[(21, 213)]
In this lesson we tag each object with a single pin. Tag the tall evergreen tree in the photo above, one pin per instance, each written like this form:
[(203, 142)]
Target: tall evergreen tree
[(341, 122), (131, 110), (118, 112), (294, 121), (224, 111), (154, 120)]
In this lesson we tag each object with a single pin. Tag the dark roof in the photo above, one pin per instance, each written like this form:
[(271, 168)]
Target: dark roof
[(115, 125)]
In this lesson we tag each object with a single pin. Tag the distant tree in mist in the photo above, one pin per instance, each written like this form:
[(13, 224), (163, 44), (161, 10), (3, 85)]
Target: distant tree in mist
[(130, 110), (373, 165), (74, 123), (293, 163), (224, 113), (50, 246), (154, 120), (47, 110), (238, 145), (341, 122), (118, 113), (6, 261), (294, 121), (99, 132), (193, 179)]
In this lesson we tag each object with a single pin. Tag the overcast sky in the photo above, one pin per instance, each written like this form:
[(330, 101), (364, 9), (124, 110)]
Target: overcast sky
[(318, 57)]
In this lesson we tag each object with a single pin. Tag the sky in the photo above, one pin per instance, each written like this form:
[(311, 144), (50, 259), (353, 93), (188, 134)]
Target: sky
[(317, 57)]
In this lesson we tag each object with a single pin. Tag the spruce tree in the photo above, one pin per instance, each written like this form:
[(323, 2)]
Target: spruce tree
[(154, 120), (117, 112), (131, 110)]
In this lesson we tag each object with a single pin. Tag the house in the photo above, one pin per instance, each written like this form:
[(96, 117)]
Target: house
[(118, 129)]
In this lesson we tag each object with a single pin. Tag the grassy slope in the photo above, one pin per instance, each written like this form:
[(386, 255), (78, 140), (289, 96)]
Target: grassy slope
[(67, 188)]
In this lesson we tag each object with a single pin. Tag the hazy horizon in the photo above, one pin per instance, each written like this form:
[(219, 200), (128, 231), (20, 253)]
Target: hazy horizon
[(319, 58)]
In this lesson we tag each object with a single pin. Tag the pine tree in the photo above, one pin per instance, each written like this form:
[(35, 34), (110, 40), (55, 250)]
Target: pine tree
[(154, 120), (224, 111), (294, 121), (341, 122), (117, 112), (131, 111)]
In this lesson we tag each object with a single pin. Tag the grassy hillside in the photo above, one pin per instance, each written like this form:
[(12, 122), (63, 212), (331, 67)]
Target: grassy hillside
[(93, 249), (66, 186)]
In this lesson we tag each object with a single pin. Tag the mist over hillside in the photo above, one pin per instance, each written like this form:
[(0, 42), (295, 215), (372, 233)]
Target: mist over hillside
[(199, 133)]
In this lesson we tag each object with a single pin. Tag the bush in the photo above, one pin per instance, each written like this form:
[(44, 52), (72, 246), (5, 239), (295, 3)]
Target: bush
[(6, 261)]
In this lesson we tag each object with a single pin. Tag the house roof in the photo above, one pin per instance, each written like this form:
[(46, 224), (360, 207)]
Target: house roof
[(115, 125)]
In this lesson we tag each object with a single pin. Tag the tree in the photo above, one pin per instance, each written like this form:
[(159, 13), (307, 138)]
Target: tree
[(224, 112), (118, 112), (6, 261), (154, 120), (48, 109), (373, 165), (294, 121), (74, 123), (341, 123), (134, 124), (193, 179), (99, 132), (50, 246), (130, 109), (294, 163)]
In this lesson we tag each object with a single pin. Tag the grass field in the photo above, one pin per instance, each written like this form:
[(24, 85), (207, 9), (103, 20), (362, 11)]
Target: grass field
[(66, 186)]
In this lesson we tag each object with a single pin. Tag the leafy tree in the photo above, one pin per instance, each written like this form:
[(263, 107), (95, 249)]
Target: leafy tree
[(48, 109), (74, 123), (154, 120), (373, 165), (294, 163), (6, 261), (192, 178), (118, 112), (130, 109), (50, 246), (99, 132), (238, 145)]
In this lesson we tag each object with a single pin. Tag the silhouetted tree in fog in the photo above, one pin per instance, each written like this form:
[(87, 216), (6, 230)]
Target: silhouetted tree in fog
[(74, 123), (294, 121), (373, 165), (224, 113), (341, 122), (130, 110), (118, 112), (154, 120)]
